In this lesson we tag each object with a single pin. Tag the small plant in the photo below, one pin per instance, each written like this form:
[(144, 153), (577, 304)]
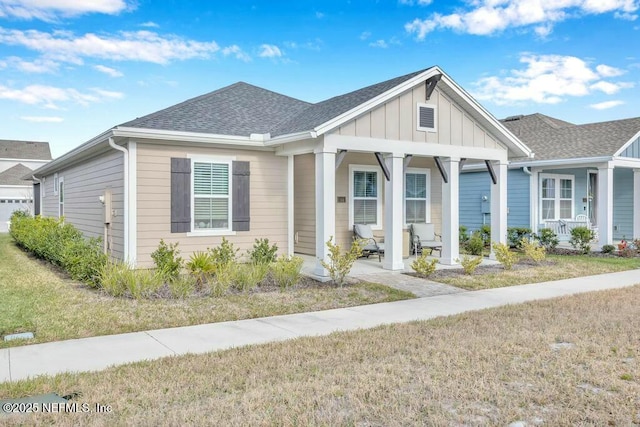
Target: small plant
[(201, 267), (627, 253), (504, 255), (607, 249), (547, 238), (469, 263), (533, 250), (424, 267), (485, 232), (463, 236), (622, 245), (262, 252), (286, 271), (225, 276), (475, 245), (182, 286), (248, 276), (581, 238), (167, 260), (223, 255), (636, 245), (516, 234), (340, 264)]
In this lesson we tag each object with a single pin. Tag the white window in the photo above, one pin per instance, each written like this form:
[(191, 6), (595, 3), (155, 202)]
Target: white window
[(365, 196), (417, 203), (211, 184), (60, 196), (56, 182), (556, 196), (427, 117)]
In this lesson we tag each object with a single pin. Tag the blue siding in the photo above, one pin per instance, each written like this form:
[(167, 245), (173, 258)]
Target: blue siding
[(633, 150), (622, 203)]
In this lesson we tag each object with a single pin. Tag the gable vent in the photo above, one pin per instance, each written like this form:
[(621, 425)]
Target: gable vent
[(426, 117)]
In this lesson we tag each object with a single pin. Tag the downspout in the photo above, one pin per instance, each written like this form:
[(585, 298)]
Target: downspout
[(126, 196), (526, 170)]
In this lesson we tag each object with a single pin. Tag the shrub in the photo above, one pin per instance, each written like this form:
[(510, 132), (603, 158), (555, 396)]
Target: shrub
[(533, 250), (182, 286), (223, 255), (201, 268), (424, 267), (248, 276), (167, 260), (636, 245), (340, 264), (607, 249), (485, 232), (627, 253), (581, 238), (463, 236), (516, 234), (118, 279), (475, 245), (225, 276), (262, 253), (83, 260), (286, 271), (504, 255), (547, 238), (470, 263)]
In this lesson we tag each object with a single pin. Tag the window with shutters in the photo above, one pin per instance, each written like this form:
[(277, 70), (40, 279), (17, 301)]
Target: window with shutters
[(211, 195), (417, 205), (427, 117), (365, 196)]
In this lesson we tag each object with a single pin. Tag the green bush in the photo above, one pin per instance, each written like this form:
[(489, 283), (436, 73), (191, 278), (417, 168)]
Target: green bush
[(470, 263), (475, 245), (201, 267), (262, 252), (83, 260), (504, 255), (340, 264), (547, 238), (167, 260), (248, 276), (182, 286), (607, 249), (626, 253), (118, 279), (424, 267), (463, 235), (581, 238), (223, 255), (485, 232), (225, 276), (286, 271), (533, 250), (516, 234)]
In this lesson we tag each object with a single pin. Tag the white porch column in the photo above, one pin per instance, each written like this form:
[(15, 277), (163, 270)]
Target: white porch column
[(290, 204), (499, 206), (450, 212), (393, 210), (534, 210), (636, 203), (325, 204), (605, 205)]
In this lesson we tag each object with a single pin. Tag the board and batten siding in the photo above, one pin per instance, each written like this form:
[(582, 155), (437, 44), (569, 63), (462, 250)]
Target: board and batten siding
[(268, 188), (632, 150), (84, 183), (397, 120), (623, 204)]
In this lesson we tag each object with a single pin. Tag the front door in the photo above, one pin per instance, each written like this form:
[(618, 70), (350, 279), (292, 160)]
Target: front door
[(592, 197)]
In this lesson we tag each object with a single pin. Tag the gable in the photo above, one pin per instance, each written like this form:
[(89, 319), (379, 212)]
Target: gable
[(398, 119), (632, 150)]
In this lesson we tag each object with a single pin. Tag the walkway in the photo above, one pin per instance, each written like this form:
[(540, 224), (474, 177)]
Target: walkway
[(91, 354)]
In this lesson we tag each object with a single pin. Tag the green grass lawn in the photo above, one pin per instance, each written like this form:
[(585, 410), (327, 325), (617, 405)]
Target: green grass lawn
[(35, 298)]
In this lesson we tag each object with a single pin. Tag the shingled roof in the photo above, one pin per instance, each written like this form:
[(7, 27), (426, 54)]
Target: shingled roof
[(34, 150), (552, 139), (242, 109), (14, 175)]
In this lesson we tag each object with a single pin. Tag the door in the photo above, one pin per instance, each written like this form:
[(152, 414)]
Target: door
[(592, 197)]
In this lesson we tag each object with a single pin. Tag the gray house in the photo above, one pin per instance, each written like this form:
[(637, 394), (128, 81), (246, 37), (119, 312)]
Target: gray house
[(18, 159), (581, 174), (244, 162)]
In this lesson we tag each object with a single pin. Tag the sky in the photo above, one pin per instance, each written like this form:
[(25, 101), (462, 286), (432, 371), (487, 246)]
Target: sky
[(71, 69)]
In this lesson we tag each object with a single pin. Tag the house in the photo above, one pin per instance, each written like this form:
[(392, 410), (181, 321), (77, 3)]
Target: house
[(243, 162), (18, 159), (590, 169)]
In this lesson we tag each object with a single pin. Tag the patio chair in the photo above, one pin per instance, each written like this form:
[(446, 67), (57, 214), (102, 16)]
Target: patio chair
[(371, 245), (423, 235)]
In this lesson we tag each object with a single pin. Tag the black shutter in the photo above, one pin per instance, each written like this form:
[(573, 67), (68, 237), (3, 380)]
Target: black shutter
[(241, 196), (180, 195), (36, 198)]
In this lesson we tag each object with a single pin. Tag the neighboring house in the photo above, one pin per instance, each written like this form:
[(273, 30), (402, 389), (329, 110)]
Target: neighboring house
[(591, 169), (243, 162), (18, 159)]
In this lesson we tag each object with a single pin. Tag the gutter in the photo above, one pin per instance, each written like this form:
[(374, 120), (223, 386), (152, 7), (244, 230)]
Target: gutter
[(125, 220)]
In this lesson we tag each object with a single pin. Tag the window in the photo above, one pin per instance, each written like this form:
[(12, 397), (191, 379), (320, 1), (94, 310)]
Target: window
[(417, 207), (365, 201), (60, 197), (556, 196), (56, 183), (211, 195), (427, 117)]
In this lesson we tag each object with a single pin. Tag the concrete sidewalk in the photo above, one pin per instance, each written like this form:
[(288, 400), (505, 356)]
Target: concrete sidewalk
[(91, 354)]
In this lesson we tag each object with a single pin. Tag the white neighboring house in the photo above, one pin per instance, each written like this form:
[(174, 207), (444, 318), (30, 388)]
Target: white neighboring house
[(17, 160)]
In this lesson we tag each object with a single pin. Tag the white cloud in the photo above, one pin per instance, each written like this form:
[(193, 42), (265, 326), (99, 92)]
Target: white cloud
[(149, 24), (270, 51), (606, 105), (379, 43), (39, 65), (548, 79), (42, 119), (108, 70), (320, 15), (50, 96), (48, 10), (107, 93), (235, 51), (365, 35), (486, 17), (418, 2)]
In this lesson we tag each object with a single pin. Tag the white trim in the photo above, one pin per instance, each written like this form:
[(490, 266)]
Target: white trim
[(393, 212), (3, 159), (427, 172), (132, 214), (63, 194), (557, 198), (534, 186), (125, 220), (367, 168), (290, 205), (304, 147), (434, 107), (626, 162), (325, 193), (290, 137), (451, 213), (605, 205), (128, 132), (626, 145)]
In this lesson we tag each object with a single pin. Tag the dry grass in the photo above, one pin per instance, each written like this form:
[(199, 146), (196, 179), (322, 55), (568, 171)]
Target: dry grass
[(35, 299), (556, 267), (492, 367)]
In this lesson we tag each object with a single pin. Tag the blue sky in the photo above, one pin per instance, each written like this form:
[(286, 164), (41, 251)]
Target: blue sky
[(70, 69)]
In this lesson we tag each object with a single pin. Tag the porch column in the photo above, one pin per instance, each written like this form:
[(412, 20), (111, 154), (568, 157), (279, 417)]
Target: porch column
[(325, 205), (534, 185), (450, 212), (499, 206), (636, 203), (605, 205), (290, 204), (393, 212)]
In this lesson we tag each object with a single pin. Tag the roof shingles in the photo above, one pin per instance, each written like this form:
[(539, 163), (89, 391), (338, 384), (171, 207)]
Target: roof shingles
[(14, 175), (32, 150)]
